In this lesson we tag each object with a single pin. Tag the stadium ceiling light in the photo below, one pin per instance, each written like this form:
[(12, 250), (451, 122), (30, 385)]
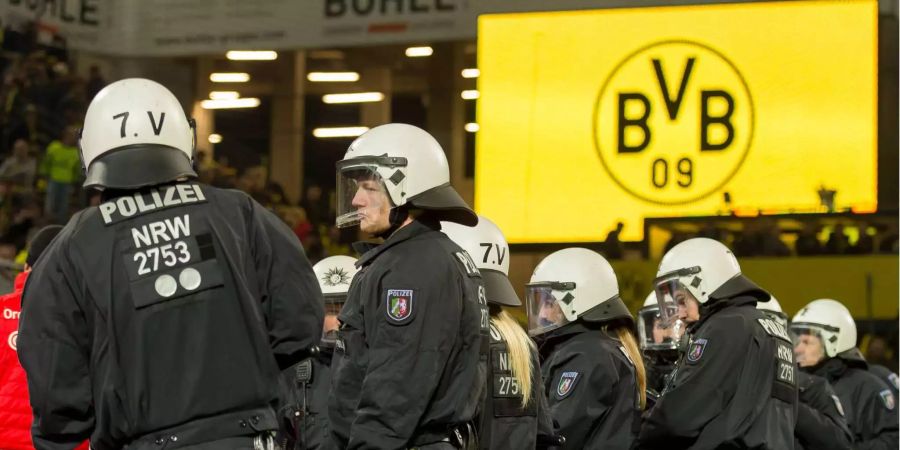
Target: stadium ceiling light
[(333, 77), (471, 73), (249, 102), (215, 138), (224, 95), (419, 52), (251, 55), (471, 94), (359, 97), (472, 127), (229, 77), (336, 132)]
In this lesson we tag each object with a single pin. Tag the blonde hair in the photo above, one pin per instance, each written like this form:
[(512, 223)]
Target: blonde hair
[(629, 343), (520, 347)]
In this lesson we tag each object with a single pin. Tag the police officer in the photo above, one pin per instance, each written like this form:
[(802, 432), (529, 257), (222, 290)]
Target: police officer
[(820, 415), (162, 317), (825, 344), (515, 412), (410, 360), (735, 386), (593, 373), (890, 378), (659, 345), (312, 379)]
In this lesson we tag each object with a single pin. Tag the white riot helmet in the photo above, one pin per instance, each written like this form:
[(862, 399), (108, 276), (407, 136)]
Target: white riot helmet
[(831, 322), (570, 284), (136, 134), (334, 274), (408, 165), (487, 247), (706, 269), (653, 334), (772, 308)]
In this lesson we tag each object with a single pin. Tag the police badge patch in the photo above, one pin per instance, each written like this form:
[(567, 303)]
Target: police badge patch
[(887, 398), (695, 352), (399, 305), (894, 380), (566, 384)]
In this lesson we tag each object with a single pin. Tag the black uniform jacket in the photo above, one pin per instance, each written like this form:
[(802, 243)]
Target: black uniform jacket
[(869, 404), (734, 388), (590, 387), (165, 314), (411, 358), (504, 424), (820, 417)]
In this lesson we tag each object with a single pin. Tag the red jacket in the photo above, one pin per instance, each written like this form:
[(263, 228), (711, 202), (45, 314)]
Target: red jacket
[(15, 411)]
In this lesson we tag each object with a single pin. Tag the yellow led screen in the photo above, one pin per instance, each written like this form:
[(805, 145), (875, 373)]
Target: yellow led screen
[(588, 118)]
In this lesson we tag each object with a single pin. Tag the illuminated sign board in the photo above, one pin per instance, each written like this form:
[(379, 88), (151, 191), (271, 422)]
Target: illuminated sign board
[(592, 117)]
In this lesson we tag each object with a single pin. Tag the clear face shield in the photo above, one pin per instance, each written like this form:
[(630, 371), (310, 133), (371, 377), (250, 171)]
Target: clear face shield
[(362, 193), (809, 348), (544, 302), (676, 302), (654, 335), (333, 305)]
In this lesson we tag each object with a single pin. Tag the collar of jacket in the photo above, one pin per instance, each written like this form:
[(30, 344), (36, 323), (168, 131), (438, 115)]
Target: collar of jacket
[(562, 334), (834, 368), (711, 308), (410, 231)]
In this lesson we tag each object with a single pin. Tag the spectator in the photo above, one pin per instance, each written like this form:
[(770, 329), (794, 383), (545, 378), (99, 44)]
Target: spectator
[(26, 215), (7, 266), (838, 243), (879, 352), (31, 129), (808, 242), (612, 246), (315, 206), (15, 423), (62, 167), (333, 244), (865, 243), (95, 82), (770, 240), (19, 169)]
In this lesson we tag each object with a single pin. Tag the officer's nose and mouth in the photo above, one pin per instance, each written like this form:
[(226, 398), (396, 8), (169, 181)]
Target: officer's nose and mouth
[(550, 313)]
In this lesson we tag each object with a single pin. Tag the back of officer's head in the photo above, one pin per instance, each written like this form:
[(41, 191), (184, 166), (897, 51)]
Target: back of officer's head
[(136, 134)]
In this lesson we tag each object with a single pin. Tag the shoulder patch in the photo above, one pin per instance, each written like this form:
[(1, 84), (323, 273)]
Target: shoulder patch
[(566, 384), (695, 351), (887, 397), (399, 305), (894, 380), (838, 405), (467, 263)]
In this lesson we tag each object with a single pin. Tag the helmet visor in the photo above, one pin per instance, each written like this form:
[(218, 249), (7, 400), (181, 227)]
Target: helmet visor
[(654, 334), (545, 302), (362, 192), (809, 343), (674, 297), (333, 305)]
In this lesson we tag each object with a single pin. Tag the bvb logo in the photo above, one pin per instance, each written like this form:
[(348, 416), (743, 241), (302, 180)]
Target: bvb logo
[(673, 122)]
